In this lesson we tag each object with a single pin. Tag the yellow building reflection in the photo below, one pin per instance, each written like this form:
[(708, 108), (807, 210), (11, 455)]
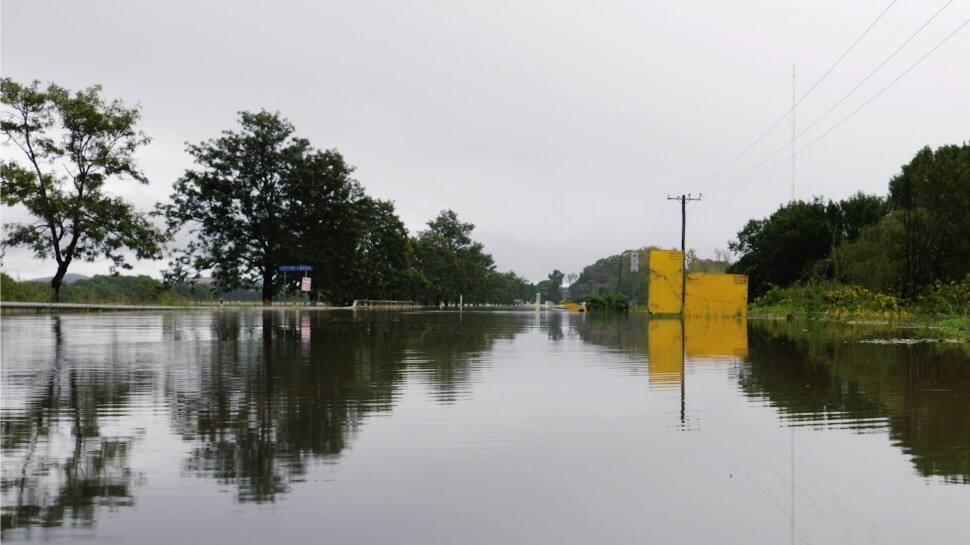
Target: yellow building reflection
[(713, 339), (665, 353)]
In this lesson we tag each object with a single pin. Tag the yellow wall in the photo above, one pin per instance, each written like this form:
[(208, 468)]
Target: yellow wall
[(708, 294), (717, 295), (666, 281)]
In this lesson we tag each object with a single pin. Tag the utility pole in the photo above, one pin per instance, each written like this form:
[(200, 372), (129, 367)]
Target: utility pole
[(683, 239), (619, 272)]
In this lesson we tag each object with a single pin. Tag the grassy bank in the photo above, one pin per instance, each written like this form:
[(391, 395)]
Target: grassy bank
[(944, 305)]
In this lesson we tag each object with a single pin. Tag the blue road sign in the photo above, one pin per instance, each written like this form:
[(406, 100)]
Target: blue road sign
[(295, 268)]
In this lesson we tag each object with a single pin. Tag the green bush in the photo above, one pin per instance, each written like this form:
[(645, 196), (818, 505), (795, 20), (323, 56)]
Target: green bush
[(875, 260), (946, 297), (829, 299), (614, 302)]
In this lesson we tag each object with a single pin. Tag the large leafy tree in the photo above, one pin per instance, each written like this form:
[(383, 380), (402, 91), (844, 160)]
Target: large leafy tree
[(933, 194), (74, 144), (780, 249), (798, 239), (555, 286), (327, 220), (260, 197), (855, 213), (382, 254), (450, 262)]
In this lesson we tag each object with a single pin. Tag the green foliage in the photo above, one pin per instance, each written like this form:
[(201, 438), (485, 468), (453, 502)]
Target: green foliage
[(782, 248), (874, 260), (383, 254), (828, 300), (611, 302), (253, 194), (613, 273), (946, 297), (11, 290), (901, 245), (450, 262), (554, 287), (720, 263), (506, 288), (261, 197), (853, 215), (111, 289), (933, 194), (73, 144)]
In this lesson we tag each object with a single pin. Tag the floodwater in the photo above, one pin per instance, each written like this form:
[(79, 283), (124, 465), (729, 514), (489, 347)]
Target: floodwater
[(478, 427)]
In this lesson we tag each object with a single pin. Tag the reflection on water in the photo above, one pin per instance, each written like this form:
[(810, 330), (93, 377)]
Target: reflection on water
[(919, 393), (260, 404)]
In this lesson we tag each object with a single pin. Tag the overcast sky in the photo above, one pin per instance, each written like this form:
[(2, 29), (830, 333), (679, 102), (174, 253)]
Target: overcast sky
[(557, 128)]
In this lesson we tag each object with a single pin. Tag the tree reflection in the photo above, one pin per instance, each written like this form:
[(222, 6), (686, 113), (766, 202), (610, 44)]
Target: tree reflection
[(263, 414), (821, 375), (47, 481)]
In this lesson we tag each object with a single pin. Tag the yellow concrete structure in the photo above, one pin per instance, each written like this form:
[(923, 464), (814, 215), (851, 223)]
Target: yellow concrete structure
[(664, 292), (575, 307), (717, 295), (708, 294)]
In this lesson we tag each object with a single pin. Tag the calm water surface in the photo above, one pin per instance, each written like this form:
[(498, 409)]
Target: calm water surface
[(427, 428)]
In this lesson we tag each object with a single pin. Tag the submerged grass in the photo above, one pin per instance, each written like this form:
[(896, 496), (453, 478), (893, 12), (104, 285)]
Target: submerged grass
[(943, 306)]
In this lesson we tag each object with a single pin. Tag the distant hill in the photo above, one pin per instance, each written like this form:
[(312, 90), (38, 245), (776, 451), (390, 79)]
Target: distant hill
[(69, 278)]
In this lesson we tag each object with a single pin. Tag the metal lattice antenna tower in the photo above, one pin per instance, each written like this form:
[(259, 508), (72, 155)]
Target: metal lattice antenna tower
[(793, 103)]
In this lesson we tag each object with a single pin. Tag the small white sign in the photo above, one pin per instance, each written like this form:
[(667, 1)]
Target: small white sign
[(305, 283), (635, 262)]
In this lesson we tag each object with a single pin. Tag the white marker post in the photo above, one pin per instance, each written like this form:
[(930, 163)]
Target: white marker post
[(461, 302), (538, 301)]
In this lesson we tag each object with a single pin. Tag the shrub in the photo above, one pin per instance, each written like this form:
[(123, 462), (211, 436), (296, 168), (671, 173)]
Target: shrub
[(33, 292), (616, 302), (946, 297)]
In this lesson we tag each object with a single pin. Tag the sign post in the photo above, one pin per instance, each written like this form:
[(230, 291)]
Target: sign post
[(305, 288), (295, 268)]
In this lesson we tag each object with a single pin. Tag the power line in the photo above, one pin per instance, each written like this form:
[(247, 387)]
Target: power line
[(722, 188), (657, 221), (834, 106), (808, 92)]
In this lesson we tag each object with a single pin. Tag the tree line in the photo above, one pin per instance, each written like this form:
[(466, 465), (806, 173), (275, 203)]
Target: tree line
[(615, 274), (257, 197), (915, 237)]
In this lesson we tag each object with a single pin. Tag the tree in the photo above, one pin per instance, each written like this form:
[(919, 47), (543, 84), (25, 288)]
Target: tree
[(383, 252), (875, 259), (799, 238), (854, 214), (933, 194), (780, 249), (554, 292), (719, 264), (608, 274), (259, 196), (74, 144), (506, 288), (451, 263), (330, 222)]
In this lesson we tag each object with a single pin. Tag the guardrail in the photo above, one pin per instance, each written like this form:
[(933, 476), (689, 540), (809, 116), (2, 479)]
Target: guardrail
[(372, 303)]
